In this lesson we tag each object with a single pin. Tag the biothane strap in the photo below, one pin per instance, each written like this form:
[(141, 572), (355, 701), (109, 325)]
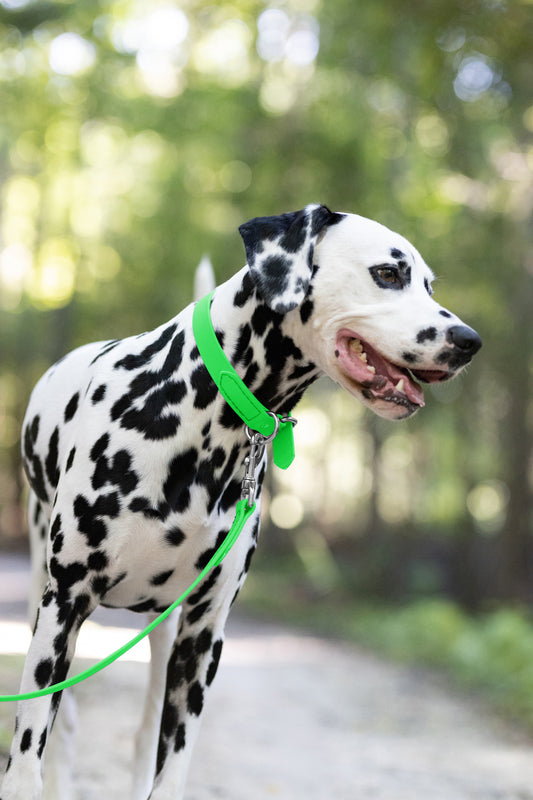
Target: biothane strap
[(233, 389), (242, 515)]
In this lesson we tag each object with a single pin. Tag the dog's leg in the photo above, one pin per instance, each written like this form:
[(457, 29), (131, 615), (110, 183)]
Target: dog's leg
[(191, 668), (57, 776), (161, 641), (47, 662)]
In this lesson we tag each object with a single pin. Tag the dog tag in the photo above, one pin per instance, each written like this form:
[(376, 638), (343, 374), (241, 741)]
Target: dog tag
[(283, 446)]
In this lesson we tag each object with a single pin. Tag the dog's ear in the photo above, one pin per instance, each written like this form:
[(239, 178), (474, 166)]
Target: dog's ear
[(280, 253)]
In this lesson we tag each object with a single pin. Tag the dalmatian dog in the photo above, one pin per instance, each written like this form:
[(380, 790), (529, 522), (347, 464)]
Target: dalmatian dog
[(135, 463)]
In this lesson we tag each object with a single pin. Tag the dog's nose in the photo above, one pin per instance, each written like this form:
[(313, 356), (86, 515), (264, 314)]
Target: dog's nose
[(464, 338)]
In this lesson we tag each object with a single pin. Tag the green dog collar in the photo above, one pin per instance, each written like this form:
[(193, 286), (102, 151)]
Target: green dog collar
[(235, 392)]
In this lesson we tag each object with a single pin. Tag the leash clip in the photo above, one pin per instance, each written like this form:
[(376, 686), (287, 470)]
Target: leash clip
[(258, 443), (249, 483)]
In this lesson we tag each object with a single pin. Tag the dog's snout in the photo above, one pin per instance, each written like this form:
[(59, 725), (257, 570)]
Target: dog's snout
[(464, 338)]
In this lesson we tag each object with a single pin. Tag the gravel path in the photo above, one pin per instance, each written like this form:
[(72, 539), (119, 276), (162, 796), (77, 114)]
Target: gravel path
[(292, 716)]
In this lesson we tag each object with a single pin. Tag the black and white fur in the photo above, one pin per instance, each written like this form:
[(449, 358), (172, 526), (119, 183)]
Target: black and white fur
[(135, 463)]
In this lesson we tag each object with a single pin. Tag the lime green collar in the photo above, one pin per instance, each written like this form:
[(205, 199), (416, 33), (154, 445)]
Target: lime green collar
[(235, 392)]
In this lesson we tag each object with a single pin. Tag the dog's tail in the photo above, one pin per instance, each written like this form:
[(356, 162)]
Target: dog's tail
[(204, 278)]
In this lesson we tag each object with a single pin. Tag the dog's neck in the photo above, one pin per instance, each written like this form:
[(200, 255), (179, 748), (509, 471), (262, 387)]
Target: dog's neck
[(255, 339)]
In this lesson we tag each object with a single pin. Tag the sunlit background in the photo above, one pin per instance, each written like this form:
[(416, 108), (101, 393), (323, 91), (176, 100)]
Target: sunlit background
[(136, 136)]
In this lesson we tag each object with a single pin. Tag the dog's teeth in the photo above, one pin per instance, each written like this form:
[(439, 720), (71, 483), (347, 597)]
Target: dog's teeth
[(356, 346), (363, 356), (371, 369), (400, 386)]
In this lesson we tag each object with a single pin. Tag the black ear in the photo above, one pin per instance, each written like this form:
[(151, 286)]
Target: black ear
[(280, 253)]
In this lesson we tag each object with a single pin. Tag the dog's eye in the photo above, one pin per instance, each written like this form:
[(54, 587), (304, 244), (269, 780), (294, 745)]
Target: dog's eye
[(387, 277)]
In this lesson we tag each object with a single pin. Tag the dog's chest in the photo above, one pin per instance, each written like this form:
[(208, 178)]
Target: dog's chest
[(157, 562)]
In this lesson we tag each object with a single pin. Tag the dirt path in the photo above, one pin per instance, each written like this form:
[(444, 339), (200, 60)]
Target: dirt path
[(292, 716)]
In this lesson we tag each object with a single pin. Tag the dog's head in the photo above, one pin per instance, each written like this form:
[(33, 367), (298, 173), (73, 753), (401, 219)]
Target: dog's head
[(357, 298)]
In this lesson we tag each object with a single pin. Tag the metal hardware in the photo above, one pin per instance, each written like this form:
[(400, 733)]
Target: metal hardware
[(257, 448), (258, 443), (265, 439), (292, 420)]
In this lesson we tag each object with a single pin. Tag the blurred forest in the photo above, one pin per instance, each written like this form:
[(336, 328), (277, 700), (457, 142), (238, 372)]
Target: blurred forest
[(136, 135)]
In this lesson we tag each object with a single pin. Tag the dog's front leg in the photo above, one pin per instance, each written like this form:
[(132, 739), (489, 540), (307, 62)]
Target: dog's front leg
[(161, 640), (47, 662), (191, 669)]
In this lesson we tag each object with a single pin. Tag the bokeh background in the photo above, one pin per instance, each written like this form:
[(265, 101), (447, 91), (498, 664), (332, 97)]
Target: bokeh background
[(135, 136)]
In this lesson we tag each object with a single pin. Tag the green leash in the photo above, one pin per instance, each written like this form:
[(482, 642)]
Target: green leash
[(262, 427), (243, 513)]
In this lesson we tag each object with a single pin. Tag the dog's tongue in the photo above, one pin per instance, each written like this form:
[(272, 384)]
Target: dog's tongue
[(383, 378)]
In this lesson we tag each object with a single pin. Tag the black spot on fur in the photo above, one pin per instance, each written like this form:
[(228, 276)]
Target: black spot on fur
[(274, 277), (300, 372), (444, 313), (70, 459), (245, 292), (105, 350), (175, 536), (144, 606), (195, 699), (67, 576), (51, 463), (43, 672), (161, 754), (169, 720), (72, 407), (42, 743), (89, 516), (97, 561), (205, 587), (56, 527), (215, 659), (25, 742), (198, 612), (411, 358), (179, 741), (98, 394), (149, 419), (203, 641), (249, 557), (204, 387), (395, 253), (207, 555), (142, 504), (261, 318), (34, 467), (162, 392), (181, 475), (161, 578), (231, 495), (426, 335), (243, 343), (100, 585), (99, 447), (136, 361), (445, 356), (116, 471), (306, 309)]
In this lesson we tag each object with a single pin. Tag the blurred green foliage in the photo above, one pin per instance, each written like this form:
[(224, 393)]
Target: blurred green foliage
[(135, 136), (489, 653), (492, 653)]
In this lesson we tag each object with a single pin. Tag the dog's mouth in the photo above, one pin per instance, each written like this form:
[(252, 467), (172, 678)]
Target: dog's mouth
[(379, 378)]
